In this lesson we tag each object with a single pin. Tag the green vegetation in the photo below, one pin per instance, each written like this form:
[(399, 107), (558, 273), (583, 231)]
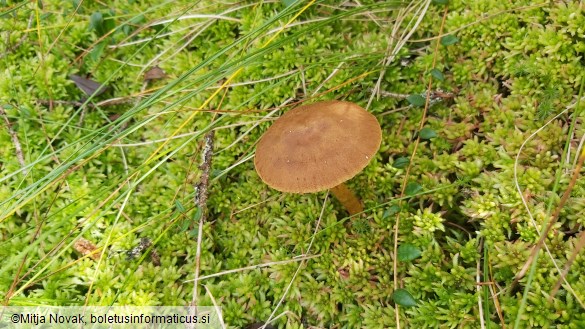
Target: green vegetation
[(474, 167)]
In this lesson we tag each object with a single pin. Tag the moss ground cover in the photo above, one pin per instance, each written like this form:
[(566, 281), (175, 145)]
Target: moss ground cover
[(472, 190)]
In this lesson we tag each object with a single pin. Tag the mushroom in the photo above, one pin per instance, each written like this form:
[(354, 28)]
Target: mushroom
[(319, 146)]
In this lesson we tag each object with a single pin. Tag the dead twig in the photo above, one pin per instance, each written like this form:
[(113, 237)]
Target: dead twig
[(553, 219), (253, 267), (107, 102), (578, 246), (15, 140), (201, 193)]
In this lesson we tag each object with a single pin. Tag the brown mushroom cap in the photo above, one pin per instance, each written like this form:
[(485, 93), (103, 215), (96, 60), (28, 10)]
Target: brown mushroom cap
[(316, 147)]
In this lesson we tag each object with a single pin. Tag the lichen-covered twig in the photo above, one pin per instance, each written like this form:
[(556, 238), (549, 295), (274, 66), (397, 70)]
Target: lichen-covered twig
[(436, 95), (201, 193), (15, 140)]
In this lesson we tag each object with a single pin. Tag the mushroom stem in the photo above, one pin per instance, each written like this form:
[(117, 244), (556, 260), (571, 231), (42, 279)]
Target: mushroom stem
[(347, 199)]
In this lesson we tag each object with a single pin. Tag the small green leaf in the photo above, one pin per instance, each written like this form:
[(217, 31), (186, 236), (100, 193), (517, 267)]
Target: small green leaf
[(401, 163), (390, 211), (408, 252), (101, 23), (441, 2), (403, 298), (179, 206), (437, 75), (197, 214), (96, 20), (416, 100), (427, 133), (184, 226), (97, 51), (412, 189), (449, 40)]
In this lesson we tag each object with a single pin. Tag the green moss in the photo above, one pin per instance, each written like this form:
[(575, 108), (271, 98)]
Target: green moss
[(513, 68)]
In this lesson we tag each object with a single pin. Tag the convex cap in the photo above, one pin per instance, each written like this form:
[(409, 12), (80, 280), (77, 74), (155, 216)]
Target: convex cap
[(316, 147)]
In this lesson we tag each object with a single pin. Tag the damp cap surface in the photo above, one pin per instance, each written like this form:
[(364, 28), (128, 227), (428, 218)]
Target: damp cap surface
[(316, 147)]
